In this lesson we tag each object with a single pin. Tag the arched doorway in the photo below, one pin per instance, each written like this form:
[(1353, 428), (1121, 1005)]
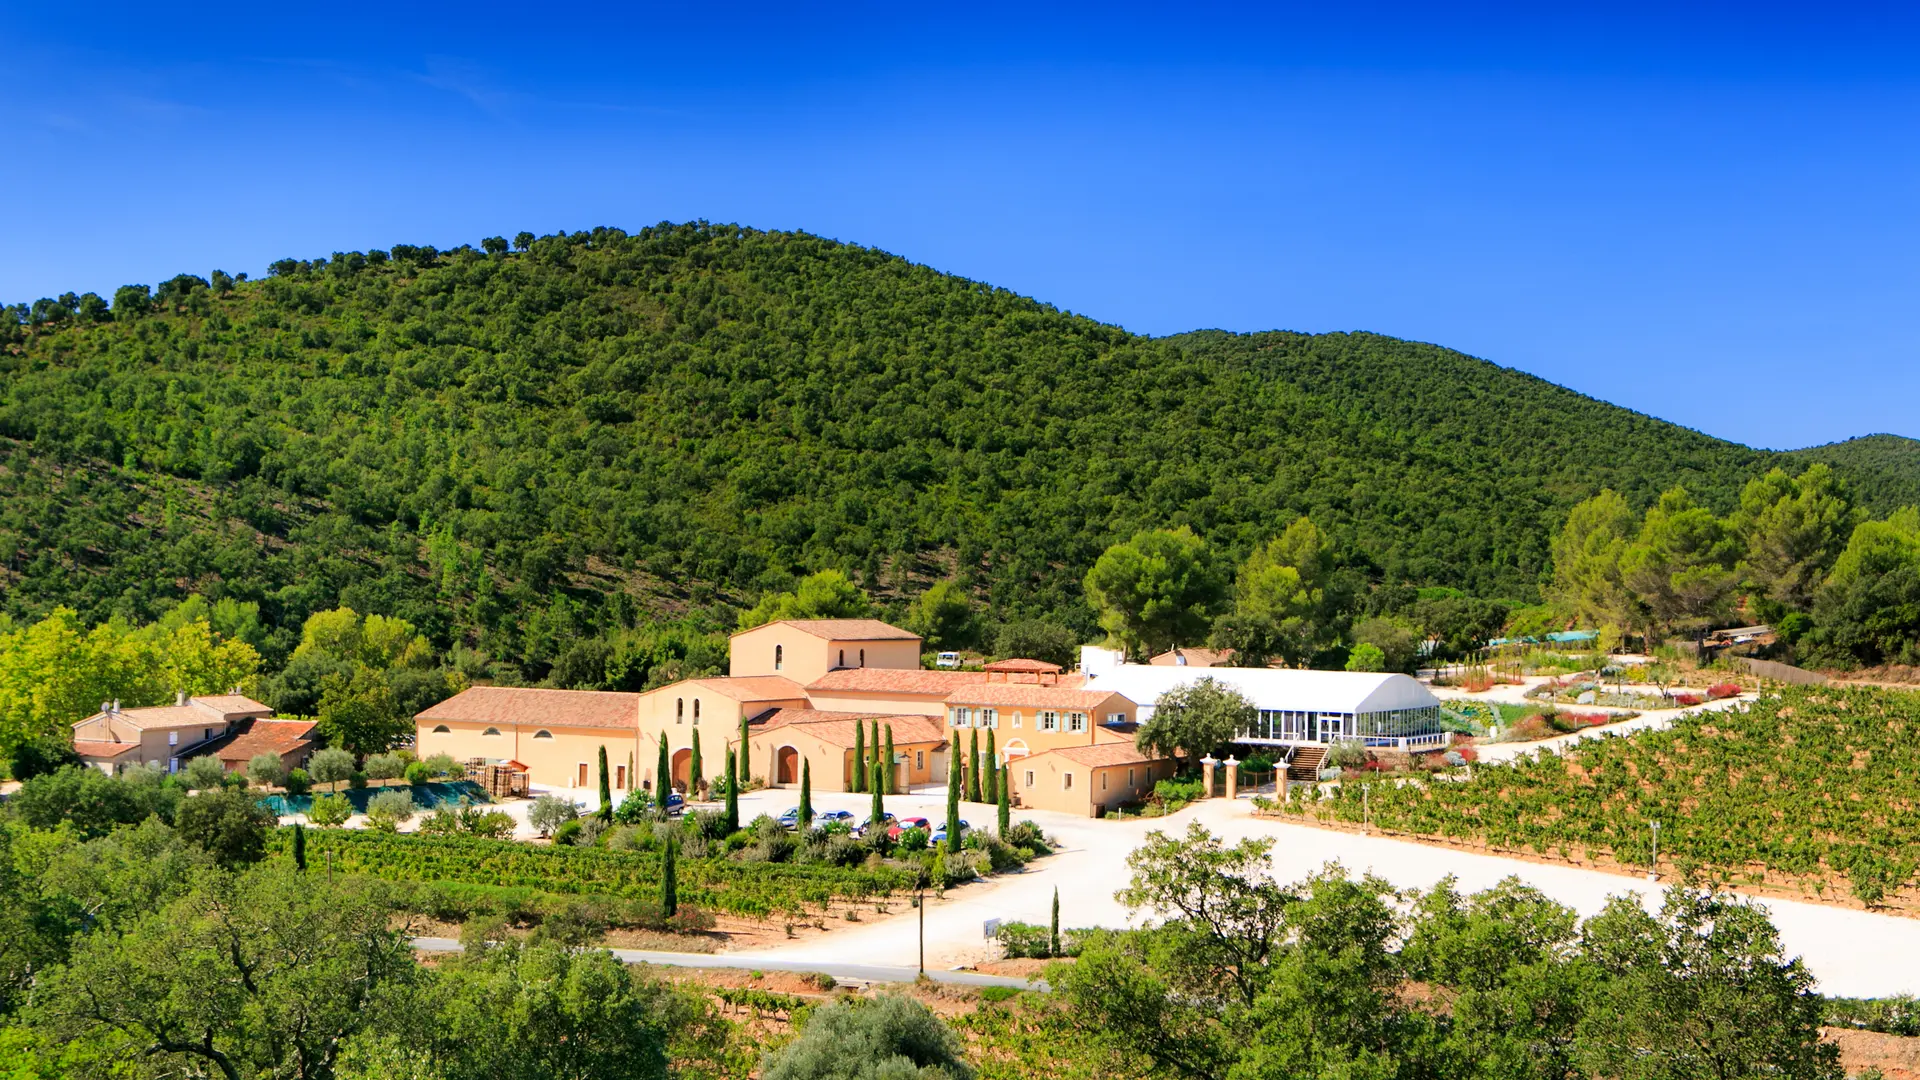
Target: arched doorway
[(682, 767), (787, 766)]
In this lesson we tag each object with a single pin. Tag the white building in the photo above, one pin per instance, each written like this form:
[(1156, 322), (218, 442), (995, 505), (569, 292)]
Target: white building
[(1296, 707)]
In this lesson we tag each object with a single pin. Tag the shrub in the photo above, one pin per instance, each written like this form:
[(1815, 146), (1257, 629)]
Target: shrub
[(549, 812), (635, 808), (914, 839), (205, 773), (385, 767), (568, 833), (1347, 755), (390, 809), (330, 810), (231, 826), (1688, 699), (892, 1035), (1454, 758), (297, 782), (1719, 691), (1027, 835), (1030, 941), (358, 781), (1177, 793), (418, 773), (997, 994), (445, 765)]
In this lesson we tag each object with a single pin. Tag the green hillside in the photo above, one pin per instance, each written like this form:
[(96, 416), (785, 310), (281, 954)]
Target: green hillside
[(1884, 469), (517, 449)]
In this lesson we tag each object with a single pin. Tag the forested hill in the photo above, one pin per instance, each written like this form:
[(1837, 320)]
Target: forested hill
[(514, 448), (1885, 469)]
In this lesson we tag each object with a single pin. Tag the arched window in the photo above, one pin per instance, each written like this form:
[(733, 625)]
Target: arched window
[(491, 731), (779, 656), (679, 710), (442, 729), (543, 733), (696, 712)]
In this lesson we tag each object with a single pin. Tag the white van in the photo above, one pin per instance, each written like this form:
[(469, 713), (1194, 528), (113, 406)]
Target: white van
[(947, 659)]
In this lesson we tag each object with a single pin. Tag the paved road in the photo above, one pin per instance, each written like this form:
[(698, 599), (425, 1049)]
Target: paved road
[(844, 973)]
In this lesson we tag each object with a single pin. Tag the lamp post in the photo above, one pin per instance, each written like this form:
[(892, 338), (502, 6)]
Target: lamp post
[(920, 901), (1653, 866)]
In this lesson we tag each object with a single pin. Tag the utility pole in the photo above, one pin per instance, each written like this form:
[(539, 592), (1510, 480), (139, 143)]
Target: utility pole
[(1653, 867)]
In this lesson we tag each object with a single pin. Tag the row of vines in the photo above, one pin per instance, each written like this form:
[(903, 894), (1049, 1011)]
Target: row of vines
[(1814, 785), (736, 888)]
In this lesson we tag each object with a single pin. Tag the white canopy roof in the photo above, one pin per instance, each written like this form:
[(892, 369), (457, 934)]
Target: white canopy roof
[(1275, 689)]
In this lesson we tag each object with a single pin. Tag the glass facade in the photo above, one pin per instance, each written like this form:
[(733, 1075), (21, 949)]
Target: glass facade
[(1370, 728)]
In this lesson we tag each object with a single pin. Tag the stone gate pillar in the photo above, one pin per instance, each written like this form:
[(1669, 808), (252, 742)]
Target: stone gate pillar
[(1233, 777), (1206, 776)]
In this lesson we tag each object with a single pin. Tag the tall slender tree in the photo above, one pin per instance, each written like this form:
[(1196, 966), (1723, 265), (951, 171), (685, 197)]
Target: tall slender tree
[(806, 795), (299, 847), (889, 760), (859, 756), (1006, 799), (606, 788), (695, 774), (669, 878), (953, 796), (973, 766), (733, 794), (877, 813), (746, 766), (1053, 930), (662, 777), (990, 784)]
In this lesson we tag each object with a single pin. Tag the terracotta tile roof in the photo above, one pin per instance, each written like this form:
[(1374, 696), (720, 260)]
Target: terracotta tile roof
[(266, 737), (1031, 695), (1020, 665), (93, 749), (896, 681), (754, 688), (197, 712), (1102, 754), (844, 629), (532, 707), (836, 728)]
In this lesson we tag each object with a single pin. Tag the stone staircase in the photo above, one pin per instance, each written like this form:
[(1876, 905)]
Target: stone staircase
[(1305, 766)]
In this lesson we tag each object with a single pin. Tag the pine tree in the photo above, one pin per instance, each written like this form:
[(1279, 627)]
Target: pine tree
[(733, 795), (953, 796), (990, 784), (1006, 799), (662, 777), (669, 875), (877, 813), (299, 847), (806, 795), (606, 788), (1053, 934), (973, 766), (889, 770), (746, 766), (695, 774), (859, 756)]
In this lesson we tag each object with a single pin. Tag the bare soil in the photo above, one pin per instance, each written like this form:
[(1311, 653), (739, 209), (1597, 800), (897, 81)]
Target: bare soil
[(1896, 1056)]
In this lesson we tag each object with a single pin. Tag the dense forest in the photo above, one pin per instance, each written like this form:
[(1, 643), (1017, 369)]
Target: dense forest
[(519, 446)]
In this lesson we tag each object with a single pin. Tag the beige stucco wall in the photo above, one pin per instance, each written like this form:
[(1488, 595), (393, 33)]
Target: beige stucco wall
[(154, 746), (889, 704), (1093, 787), (804, 657), (551, 762), (1019, 729), (833, 764)]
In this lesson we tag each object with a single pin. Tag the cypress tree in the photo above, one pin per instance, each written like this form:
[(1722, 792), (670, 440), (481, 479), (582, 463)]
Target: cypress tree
[(889, 773), (953, 796), (669, 874), (877, 813), (1006, 800), (973, 767), (662, 776), (746, 766), (1053, 934), (299, 847), (859, 756), (695, 774), (806, 795), (606, 788), (990, 784), (733, 795)]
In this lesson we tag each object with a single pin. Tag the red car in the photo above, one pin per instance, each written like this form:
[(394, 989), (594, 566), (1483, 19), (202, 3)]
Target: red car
[(903, 824)]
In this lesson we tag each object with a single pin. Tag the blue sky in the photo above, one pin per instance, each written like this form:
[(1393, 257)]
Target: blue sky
[(1710, 214)]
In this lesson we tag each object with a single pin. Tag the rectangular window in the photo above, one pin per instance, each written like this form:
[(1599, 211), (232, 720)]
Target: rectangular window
[(1103, 781), (919, 759), (1029, 777), (620, 777), (962, 716), (1077, 721), (173, 738), (583, 775), (1116, 718), (173, 765), (1016, 719), (1066, 781), (990, 718), (1049, 720), (1129, 777)]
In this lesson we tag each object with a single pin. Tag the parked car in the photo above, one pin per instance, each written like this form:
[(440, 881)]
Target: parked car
[(885, 822), (903, 824), (940, 832), (823, 818), (948, 660), (790, 819), (676, 803)]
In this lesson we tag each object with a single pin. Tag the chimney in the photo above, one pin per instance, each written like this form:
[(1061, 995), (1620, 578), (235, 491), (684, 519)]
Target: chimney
[(116, 705), (179, 697)]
